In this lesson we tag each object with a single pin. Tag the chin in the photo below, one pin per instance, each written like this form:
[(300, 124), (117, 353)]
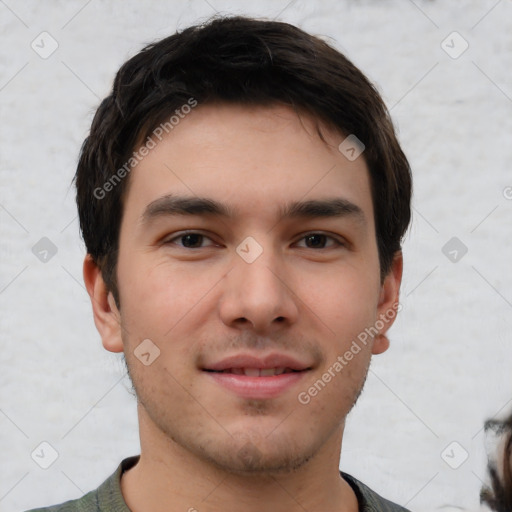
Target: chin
[(247, 454), (249, 460)]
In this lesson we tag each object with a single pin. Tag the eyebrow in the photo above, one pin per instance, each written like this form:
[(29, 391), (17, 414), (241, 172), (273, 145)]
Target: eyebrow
[(170, 205)]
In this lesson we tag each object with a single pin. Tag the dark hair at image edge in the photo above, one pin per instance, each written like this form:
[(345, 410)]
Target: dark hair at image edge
[(499, 495), (248, 62)]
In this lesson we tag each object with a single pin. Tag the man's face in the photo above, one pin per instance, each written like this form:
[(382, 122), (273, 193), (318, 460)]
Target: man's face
[(228, 299)]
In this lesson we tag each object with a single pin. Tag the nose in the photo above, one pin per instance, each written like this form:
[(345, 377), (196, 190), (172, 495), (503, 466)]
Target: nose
[(259, 295)]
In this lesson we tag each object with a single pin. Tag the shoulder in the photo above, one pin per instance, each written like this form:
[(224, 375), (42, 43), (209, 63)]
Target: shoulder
[(370, 501), (87, 503), (106, 498)]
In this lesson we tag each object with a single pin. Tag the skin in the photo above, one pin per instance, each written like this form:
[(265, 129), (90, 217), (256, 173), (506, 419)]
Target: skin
[(202, 446)]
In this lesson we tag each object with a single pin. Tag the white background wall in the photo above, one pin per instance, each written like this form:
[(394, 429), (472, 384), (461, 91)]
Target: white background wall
[(449, 366)]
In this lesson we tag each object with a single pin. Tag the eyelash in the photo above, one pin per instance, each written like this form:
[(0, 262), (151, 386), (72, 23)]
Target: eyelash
[(183, 234)]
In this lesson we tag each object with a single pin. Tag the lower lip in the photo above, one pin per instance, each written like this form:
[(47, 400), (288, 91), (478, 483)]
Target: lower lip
[(257, 387)]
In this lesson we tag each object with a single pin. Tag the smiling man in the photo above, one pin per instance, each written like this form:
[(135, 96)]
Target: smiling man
[(242, 197)]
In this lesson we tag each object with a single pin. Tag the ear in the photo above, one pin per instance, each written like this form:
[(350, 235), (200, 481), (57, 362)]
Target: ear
[(106, 315), (388, 306)]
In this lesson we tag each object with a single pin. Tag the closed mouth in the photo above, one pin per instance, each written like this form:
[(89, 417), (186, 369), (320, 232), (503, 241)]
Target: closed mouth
[(257, 372)]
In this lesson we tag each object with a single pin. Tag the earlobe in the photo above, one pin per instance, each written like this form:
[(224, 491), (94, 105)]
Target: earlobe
[(380, 344), (388, 304), (106, 315)]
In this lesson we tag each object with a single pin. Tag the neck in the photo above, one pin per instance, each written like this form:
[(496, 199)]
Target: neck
[(169, 477)]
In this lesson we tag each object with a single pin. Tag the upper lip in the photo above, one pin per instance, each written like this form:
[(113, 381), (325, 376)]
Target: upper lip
[(273, 360)]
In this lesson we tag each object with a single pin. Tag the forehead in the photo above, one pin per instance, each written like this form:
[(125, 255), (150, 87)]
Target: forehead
[(254, 160)]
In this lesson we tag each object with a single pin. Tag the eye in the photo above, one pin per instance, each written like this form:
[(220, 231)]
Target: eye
[(319, 240), (189, 240), (197, 240)]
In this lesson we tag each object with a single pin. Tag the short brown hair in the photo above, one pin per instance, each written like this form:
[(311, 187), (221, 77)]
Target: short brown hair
[(249, 62)]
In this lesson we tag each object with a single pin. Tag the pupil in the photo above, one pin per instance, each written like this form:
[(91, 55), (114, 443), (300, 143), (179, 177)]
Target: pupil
[(320, 238), (192, 240)]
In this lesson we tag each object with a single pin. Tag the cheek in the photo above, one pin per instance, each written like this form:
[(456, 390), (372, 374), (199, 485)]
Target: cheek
[(345, 302), (334, 389), (157, 296)]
